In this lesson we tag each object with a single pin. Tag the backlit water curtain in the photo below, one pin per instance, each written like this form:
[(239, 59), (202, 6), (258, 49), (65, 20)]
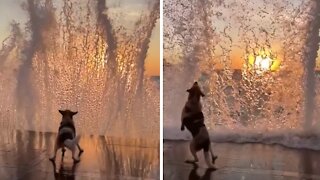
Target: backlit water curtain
[(256, 61), (83, 56)]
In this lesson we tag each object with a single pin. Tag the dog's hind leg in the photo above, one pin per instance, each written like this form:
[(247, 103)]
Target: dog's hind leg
[(71, 144), (63, 151), (73, 150), (80, 149), (207, 158), (212, 155), (75, 160), (206, 149), (193, 152)]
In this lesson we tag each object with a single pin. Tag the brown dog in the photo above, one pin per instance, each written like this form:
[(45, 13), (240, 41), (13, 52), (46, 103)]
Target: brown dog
[(67, 136), (192, 118)]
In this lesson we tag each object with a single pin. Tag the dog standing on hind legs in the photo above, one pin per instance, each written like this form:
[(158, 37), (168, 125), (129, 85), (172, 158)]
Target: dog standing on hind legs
[(192, 118), (67, 136)]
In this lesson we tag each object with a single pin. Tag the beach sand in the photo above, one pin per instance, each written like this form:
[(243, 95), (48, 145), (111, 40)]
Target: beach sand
[(250, 161), (24, 155)]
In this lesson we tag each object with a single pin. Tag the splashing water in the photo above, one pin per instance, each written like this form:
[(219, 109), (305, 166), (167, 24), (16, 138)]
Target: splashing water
[(211, 41), (82, 56)]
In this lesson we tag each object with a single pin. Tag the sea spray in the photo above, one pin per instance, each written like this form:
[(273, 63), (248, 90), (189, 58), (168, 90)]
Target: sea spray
[(240, 99), (76, 55)]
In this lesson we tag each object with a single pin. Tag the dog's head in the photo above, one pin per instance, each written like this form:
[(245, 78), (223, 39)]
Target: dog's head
[(67, 115), (195, 92)]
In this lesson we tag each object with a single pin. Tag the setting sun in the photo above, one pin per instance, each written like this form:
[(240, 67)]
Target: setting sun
[(263, 60)]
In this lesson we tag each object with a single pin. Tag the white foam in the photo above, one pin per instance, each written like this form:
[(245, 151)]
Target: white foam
[(293, 138)]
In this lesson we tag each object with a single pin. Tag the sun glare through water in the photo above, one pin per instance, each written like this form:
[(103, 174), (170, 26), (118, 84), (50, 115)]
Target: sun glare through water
[(263, 61)]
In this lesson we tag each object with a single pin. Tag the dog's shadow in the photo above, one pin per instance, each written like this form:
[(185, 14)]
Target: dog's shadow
[(193, 175)]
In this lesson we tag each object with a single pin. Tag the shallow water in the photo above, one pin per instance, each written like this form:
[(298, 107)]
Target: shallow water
[(24, 155)]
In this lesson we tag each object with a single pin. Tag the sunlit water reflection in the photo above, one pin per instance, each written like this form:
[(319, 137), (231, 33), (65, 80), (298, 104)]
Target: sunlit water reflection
[(24, 155)]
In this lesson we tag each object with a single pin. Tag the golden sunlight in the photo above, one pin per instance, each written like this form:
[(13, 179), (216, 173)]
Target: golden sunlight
[(263, 61)]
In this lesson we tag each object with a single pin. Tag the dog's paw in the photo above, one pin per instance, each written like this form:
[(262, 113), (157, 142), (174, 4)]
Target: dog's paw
[(52, 159), (75, 161), (191, 161), (211, 168), (81, 151), (214, 159)]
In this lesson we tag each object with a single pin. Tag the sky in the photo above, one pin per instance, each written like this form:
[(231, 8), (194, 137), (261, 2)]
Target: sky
[(11, 10), (153, 58)]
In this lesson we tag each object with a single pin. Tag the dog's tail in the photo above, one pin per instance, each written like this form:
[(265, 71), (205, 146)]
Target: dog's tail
[(72, 143)]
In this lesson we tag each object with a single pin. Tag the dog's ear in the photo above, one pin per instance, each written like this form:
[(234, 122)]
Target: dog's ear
[(201, 93), (74, 113), (188, 90), (61, 112)]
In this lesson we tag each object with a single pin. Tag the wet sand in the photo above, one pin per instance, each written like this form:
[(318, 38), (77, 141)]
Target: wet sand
[(242, 162), (24, 155)]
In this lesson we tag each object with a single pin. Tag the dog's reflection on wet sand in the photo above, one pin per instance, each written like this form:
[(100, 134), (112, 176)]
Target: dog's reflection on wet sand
[(65, 172), (193, 175)]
